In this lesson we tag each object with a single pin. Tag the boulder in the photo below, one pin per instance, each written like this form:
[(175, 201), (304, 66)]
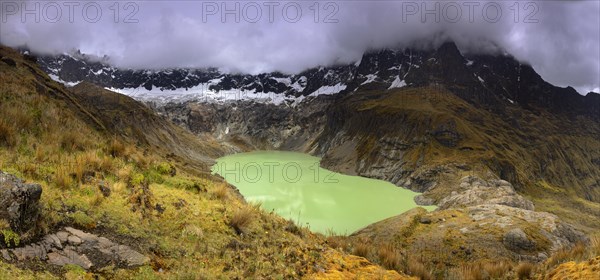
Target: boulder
[(425, 220), (422, 200), (19, 202), (517, 240)]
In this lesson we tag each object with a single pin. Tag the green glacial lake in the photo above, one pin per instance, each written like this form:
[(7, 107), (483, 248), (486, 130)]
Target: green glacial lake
[(295, 187)]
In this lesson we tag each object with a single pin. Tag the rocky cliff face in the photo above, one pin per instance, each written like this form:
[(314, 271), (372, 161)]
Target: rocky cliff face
[(252, 125)]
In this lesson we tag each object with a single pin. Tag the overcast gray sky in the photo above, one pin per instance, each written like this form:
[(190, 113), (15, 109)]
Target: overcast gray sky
[(561, 39)]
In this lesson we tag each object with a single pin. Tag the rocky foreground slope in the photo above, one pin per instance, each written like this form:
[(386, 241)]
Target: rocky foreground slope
[(106, 189)]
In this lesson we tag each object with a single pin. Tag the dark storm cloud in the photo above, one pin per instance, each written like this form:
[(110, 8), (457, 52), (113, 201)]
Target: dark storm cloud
[(559, 38)]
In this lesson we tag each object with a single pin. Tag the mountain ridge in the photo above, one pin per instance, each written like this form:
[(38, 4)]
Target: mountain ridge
[(480, 78)]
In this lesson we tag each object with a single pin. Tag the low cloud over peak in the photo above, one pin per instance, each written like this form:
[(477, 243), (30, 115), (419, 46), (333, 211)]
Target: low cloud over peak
[(560, 39)]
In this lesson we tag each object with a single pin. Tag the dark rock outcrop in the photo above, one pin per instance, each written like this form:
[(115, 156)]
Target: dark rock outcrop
[(19, 202), (447, 135), (9, 61)]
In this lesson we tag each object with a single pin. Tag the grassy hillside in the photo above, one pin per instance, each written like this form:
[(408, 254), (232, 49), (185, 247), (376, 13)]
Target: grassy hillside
[(129, 119), (428, 139), (110, 166), (160, 200)]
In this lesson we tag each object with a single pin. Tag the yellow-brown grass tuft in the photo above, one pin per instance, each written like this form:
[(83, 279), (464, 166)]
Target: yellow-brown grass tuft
[(497, 269), (524, 270), (41, 153), (107, 164), (86, 165), (62, 178), (28, 169), (143, 161), (8, 137), (467, 271), (361, 249), (71, 141), (19, 114), (221, 192), (4, 224), (242, 219), (334, 241), (566, 254), (416, 268), (389, 257), (125, 173), (595, 245), (116, 148)]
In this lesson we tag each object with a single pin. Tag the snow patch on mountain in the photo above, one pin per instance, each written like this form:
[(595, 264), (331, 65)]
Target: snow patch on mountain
[(397, 83), (69, 84), (300, 84), (203, 93), (329, 90), (370, 79), (286, 81)]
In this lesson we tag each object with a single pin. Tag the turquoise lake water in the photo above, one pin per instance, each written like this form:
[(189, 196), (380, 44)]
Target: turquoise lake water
[(295, 187)]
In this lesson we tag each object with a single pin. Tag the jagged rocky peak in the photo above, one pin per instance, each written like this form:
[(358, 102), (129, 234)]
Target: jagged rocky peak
[(383, 66), (519, 83), (450, 48), (77, 54), (380, 61)]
